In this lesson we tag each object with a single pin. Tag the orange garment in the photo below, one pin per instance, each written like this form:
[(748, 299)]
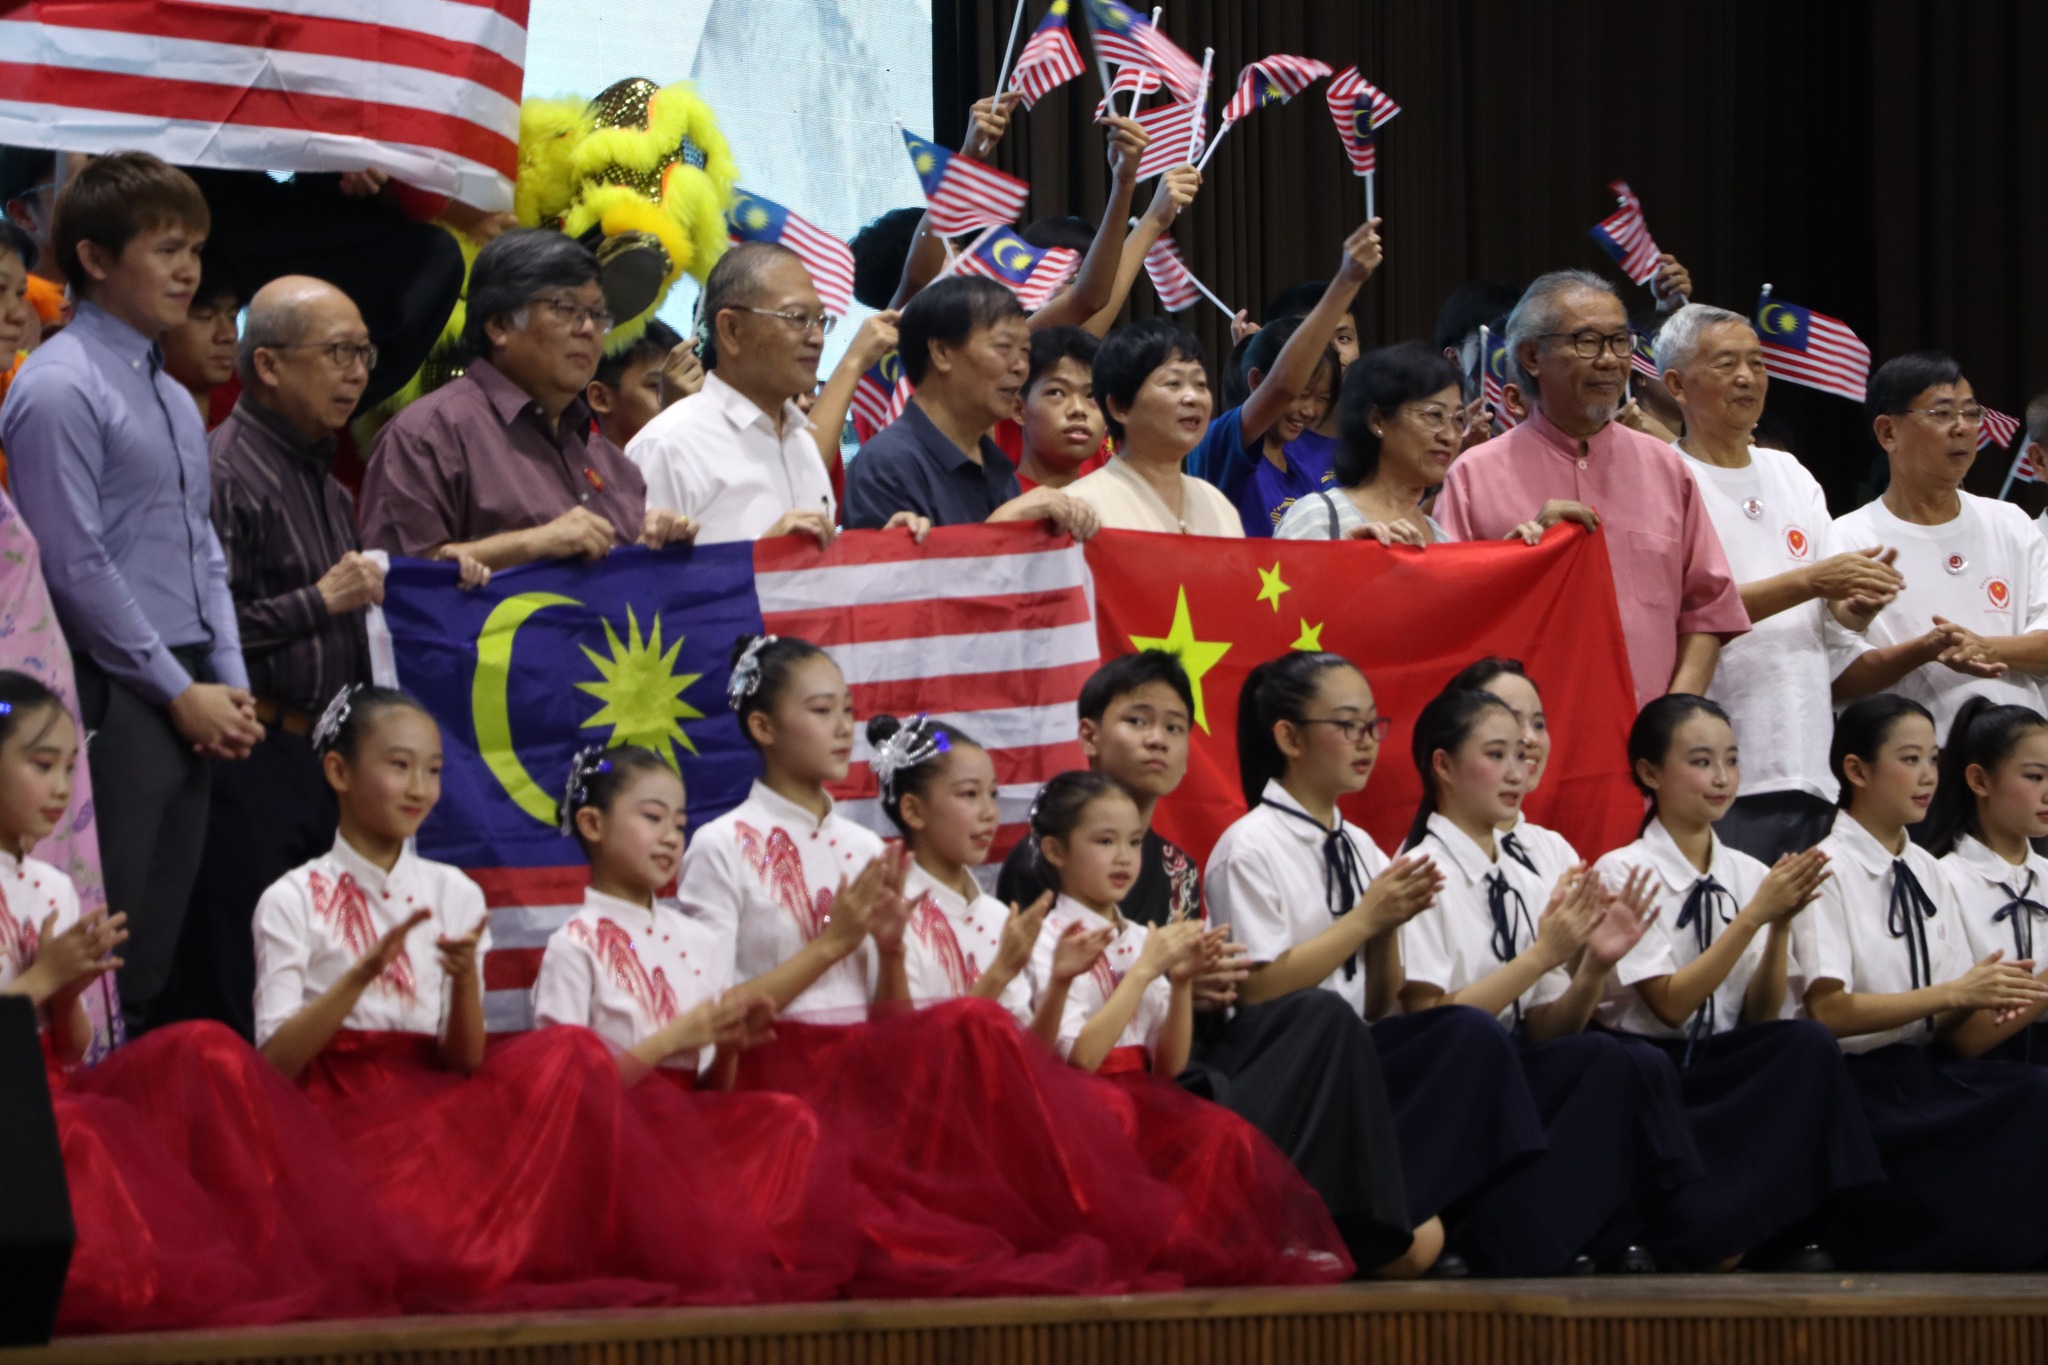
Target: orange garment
[(47, 298)]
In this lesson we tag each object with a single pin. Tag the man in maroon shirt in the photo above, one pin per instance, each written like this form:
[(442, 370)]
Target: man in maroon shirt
[(505, 463)]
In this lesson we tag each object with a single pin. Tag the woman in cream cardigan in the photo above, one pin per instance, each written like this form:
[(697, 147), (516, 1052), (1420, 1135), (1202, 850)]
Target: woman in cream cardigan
[(1155, 400)]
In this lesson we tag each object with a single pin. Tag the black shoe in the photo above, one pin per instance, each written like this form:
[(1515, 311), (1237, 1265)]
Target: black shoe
[(1582, 1264), (1449, 1266), (1633, 1260), (1809, 1259)]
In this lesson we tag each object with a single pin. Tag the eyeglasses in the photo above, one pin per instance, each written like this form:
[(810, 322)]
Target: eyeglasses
[(1945, 416), (1354, 730), (822, 323), (1435, 417), (1588, 345), (340, 354), (572, 314)]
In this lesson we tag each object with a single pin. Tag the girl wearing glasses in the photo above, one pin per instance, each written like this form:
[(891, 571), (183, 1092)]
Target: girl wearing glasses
[(1536, 953), (1707, 986), (1401, 419), (1435, 1097)]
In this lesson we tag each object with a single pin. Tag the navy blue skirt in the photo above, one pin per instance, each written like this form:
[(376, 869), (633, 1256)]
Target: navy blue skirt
[(1619, 1143), (1779, 1129), (1303, 1070), (1463, 1113), (1961, 1143)]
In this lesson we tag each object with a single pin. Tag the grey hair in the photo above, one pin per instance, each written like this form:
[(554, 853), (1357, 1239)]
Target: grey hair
[(271, 322), (1537, 312), (514, 267), (738, 278), (1678, 340)]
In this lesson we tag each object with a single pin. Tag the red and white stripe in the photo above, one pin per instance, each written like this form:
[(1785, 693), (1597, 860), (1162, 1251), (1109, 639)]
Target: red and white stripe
[(425, 90), (1141, 79), (1342, 96), (875, 407), (1628, 229), (1171, 278), (2023, 470), (1046, 279), (1999, 429), (1288, 75), (829, 261), (973, 196), (1835, 360), (1171, 128), (1146, 46), (1049, 60), (1496, 395), (995, 640)]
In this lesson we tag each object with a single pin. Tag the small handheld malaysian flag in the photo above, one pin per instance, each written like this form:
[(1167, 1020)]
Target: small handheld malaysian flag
[(1811, 348), (1272, 80), (1175, 284), (961, 194), (1034, 276), (1359, 108), (754, 219), (1049, 59), (1128, 38), (1644, 358), (1626, 237), (1997, 429), (879, 396), (1493, 381)]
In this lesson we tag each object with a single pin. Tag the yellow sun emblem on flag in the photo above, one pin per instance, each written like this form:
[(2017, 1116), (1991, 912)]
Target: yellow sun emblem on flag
[(756, 217), (1059, 6), (924, 161), (641, 691)]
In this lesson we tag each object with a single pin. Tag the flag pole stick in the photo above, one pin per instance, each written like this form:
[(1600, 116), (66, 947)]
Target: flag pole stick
[(1201, 103), (1003, 71), (953, 259), (2011, 470), (1214, 142), (1138, 91), (1210, 295), (1369, 215), (1480, 369)]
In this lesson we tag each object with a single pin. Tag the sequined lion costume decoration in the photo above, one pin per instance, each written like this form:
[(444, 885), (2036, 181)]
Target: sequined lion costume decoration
[(641, 174)]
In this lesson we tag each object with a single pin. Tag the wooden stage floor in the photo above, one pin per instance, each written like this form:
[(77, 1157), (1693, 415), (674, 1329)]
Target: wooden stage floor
[(1734, 1319)]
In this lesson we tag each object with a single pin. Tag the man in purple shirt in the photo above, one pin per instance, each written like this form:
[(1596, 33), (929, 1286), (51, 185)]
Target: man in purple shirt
[(109, 464), (506, 464)]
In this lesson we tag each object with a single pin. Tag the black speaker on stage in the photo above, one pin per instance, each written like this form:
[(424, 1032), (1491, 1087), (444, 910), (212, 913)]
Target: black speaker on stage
[(36, 1233)]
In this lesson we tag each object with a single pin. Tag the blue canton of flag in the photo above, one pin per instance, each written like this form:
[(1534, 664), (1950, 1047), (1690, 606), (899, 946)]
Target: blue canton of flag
[(550, 658)]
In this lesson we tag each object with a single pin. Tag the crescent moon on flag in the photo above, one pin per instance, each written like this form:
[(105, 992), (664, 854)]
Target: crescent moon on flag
[(1771, 324), (1013, 257), (489, 707)]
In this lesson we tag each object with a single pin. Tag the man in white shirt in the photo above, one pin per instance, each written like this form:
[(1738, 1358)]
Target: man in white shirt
[(1973, 616), (739, 454), (1794, 573)]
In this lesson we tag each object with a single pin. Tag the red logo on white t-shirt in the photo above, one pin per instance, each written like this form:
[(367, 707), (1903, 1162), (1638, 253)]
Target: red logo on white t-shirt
[(1956, 564), (1998, 592), (1798, 542)]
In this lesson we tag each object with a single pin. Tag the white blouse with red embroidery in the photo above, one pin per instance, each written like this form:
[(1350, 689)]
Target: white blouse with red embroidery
[(626, 972), (30, 892), (1092, 989), (951, 941)]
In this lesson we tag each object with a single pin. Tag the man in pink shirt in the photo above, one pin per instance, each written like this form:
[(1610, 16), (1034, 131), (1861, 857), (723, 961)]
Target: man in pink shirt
[(1569, 345)]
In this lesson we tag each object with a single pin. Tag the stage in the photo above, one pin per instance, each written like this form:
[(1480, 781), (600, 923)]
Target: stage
[(1734, 1319)]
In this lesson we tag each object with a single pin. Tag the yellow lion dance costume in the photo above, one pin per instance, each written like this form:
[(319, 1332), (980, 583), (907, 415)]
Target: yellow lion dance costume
[(641, 174)]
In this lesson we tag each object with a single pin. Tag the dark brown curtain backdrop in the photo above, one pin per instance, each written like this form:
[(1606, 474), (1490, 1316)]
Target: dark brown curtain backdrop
[(1884, 161)]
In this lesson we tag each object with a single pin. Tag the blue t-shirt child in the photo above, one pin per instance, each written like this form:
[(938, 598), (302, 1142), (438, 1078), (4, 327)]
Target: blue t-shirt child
[(1260, 492)]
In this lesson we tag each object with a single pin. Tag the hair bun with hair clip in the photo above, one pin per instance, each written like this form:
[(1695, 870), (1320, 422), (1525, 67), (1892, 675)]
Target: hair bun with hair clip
[(746, 673), (588, 763), (328, 728), (915, 741)]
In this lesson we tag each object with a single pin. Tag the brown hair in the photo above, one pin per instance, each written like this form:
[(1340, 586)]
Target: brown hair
[(116, 199)]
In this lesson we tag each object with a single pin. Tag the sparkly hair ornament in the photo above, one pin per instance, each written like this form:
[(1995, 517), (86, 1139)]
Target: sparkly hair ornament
[(746, 674), (587, 764), (328, 728), (916, 741)]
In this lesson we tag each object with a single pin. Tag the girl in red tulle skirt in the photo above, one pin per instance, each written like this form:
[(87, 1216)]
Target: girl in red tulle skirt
[(516, 1177), (984, 1167), (657, 986), (1248, 1217), (205, 1192)]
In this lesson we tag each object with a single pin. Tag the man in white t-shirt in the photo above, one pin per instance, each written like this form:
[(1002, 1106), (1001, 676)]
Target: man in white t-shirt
[(1973, 616), (1796, 576), (739, 453)]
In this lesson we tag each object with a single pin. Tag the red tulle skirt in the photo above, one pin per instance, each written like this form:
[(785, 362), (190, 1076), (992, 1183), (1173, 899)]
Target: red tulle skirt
[(535, 1183), (207, 1192), (1246, 1216), (982, 1165)]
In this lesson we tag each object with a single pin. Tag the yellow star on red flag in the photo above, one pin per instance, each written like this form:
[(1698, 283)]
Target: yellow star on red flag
[(1196, 656), (1311, 638), (1270, 587)]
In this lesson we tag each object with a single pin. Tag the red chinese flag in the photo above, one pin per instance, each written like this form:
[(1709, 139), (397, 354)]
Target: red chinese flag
[(1410, 619)]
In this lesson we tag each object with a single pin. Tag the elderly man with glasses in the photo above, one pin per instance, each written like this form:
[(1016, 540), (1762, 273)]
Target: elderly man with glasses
[(1972, 618), (740, 456), (505, 464), (1569, 345)]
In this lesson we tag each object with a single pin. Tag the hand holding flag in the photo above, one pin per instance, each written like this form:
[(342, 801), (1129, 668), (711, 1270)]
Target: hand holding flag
[(1625, 236)]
